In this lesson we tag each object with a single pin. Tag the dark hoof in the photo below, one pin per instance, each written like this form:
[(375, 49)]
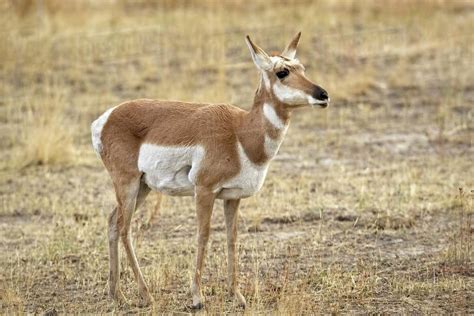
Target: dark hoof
[(197, 306)]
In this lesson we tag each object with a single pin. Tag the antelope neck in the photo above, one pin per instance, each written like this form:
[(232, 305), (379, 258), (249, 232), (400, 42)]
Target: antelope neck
[(263, 128)]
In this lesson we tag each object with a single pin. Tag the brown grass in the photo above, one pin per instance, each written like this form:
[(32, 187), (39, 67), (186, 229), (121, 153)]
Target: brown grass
[(367, 209), (44, 136)]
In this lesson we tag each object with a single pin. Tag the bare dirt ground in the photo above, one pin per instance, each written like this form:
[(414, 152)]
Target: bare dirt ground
[(366, 209)]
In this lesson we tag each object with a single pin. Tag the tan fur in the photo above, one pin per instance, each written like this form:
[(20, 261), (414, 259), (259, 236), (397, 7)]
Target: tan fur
[(217, 128)]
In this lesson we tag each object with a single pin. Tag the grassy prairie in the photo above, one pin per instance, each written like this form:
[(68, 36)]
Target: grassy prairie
[(367, 208)]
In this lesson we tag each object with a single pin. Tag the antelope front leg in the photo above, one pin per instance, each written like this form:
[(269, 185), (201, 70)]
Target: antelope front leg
[(231, 210), (204, 205)]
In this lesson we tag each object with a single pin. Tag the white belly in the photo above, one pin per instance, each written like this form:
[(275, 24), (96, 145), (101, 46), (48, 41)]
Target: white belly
[(174, 170), (171, 170)]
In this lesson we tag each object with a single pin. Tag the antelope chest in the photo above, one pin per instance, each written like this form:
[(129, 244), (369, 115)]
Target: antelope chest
[(247, 182), (174, 171)]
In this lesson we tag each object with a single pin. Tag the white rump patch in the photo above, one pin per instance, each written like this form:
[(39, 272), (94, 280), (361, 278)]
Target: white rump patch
[(96, 130), (170, 169)]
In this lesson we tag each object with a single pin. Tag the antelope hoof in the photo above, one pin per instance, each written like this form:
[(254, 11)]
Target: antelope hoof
[(239, 300), (145, 300), (197, 306), (117, 297), (198, 302)]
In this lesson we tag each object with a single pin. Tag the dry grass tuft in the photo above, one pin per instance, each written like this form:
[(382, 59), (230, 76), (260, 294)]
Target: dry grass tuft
[(44, 136), (460, 249)]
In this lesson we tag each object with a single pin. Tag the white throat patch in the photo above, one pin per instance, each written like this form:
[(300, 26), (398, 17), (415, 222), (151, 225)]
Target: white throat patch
[(272, 145), (272, 116)]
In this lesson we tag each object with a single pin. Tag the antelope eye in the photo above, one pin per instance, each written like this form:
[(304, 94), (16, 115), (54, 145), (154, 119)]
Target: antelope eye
[(282, 73)]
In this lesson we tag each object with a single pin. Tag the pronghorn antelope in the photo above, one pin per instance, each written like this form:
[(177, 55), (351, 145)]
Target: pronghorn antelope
[(211, 151)]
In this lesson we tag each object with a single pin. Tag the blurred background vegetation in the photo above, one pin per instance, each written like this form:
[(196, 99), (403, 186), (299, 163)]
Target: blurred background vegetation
[(367, 208), (64, 62)]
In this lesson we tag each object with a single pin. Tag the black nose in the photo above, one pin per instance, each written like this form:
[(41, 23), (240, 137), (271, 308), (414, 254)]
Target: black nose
[(320, 94), (324, 95)]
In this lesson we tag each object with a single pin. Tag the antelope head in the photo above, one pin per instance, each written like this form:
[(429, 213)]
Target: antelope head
[(284, 76)]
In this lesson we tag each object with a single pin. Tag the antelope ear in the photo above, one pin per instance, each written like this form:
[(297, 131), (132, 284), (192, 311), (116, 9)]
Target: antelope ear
[(260, 58), (290, 50)]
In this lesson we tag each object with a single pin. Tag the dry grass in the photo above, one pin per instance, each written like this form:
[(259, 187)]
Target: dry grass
[(44, 136), (361, 212)]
